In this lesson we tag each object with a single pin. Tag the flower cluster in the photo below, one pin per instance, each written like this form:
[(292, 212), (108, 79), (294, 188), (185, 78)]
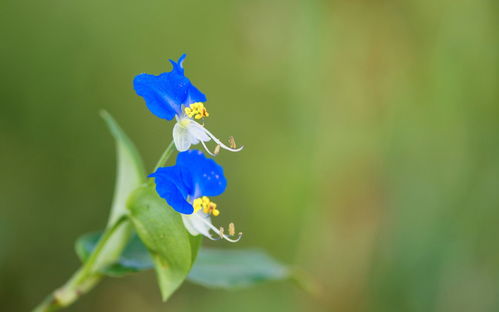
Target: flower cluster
[(194, 178)]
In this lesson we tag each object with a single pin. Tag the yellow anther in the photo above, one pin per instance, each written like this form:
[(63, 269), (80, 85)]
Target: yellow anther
[(197, 204), (206, 200), (232, 229), (217, 150), (232, 142), (196, 110), (221, 232), (208, 206)]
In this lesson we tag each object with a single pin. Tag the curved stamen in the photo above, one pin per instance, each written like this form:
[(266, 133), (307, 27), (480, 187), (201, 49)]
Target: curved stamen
[(207, 150), (216, 140), (218, 231)]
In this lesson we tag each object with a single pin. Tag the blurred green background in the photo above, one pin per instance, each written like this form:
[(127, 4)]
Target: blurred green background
[(371, 144)]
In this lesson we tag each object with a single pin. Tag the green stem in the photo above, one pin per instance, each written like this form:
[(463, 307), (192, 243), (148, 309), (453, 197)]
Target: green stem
[(83, 280), (166, 154), (88, 267)]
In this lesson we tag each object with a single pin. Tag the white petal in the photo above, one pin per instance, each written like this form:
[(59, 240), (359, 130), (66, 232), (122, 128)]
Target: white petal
[(194, 224), (198, 131), (181, 137)]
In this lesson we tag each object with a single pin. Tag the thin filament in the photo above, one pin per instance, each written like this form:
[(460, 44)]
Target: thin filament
[(218, 231)]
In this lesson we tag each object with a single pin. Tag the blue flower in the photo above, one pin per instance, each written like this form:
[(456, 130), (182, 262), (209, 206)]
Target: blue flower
[(171, 95), (167, 93), (186, 187)]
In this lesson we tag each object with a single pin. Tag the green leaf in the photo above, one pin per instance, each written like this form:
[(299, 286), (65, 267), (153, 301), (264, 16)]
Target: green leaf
[(228, 268), (161, 229), (135, 257), (130, 175), (130, 168), (214, 268)]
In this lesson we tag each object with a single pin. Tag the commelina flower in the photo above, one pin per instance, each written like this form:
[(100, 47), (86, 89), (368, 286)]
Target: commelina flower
[(172, 95), (186, 187)]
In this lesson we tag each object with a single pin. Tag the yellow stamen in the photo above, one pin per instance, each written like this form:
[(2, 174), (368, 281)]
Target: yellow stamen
[(221, 232), (196, 110), (197, 204), (215, 212), (208, 206), (217, 150), (232, 142), (232, 229)]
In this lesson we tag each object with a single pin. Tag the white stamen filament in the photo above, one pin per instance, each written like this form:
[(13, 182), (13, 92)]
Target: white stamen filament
[(215, 139), (211, 226), (187, 132), (207, 150)]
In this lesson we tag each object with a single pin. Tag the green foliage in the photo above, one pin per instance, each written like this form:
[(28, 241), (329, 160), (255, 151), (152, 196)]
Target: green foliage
[(130, 168), (161, 240), (163, 232), (219, 268), (171, 248), (130, 174), (214, 268)]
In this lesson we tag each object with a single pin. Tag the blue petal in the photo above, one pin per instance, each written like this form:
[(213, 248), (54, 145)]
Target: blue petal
[(178, 67), (201, 176), (170, 187), (165, 94), (194, 96), (193, 176), (151, 88)]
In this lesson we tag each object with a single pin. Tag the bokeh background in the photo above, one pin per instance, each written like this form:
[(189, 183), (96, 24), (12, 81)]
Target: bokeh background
[(370, 128)]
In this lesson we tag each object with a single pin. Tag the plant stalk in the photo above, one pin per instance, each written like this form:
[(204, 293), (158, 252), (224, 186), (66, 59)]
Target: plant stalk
[(82, 280), (166, 154)]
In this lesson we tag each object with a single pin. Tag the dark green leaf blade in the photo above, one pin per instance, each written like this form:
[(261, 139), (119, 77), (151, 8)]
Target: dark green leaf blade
[(233, 268), (161, 229)]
